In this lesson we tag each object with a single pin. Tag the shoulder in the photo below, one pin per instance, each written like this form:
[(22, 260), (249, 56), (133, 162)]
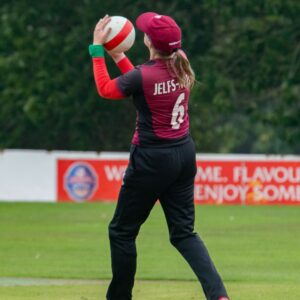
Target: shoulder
[(131, 82), (135, 72), (134, 76), (148, 64)]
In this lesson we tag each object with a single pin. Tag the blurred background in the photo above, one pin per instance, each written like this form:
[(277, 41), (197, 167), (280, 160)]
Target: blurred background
[(246, 56), (246, 104)]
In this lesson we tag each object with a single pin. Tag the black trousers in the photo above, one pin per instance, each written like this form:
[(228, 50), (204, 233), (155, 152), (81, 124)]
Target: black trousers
[(168, 175)]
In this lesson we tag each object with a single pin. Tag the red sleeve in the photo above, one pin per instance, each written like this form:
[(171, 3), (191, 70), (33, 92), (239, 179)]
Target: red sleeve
[(125, 65), (106, 87)]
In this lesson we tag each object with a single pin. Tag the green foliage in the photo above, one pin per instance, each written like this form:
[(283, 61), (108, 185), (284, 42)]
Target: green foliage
[(246, 55)]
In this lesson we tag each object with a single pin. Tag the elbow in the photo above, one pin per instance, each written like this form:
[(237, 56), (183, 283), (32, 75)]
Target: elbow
[(109, 90), (103, 93)]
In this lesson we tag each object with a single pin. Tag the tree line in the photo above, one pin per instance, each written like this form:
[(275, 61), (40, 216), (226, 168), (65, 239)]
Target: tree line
[(246, 56)]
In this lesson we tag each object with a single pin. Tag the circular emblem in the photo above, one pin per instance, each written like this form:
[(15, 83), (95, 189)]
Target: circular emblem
[(80, 181)]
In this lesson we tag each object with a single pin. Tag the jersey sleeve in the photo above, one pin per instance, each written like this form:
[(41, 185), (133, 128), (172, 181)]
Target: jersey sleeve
[(130, 83), (125, 65), (120, 87), (106, 87)]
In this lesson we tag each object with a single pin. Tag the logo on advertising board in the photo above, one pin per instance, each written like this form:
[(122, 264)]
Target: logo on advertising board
[(80, 181)]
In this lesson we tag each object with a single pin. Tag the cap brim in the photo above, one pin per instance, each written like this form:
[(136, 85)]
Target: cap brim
[(143, 20)]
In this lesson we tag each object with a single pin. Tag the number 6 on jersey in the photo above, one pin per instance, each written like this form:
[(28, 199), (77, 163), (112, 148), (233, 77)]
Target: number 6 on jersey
[(178, 112)]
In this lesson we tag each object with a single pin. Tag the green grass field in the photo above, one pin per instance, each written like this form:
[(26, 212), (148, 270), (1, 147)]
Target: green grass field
[(256, 250)]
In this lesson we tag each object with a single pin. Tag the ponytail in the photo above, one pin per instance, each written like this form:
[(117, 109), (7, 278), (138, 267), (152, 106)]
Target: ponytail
[(179, 67)]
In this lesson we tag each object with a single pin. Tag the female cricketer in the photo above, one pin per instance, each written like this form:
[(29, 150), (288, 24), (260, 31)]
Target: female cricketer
[(162, 162)]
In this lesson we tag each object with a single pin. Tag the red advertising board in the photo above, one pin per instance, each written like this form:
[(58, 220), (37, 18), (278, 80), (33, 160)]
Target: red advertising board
[(89, 180), (248, 182), (218, 181)]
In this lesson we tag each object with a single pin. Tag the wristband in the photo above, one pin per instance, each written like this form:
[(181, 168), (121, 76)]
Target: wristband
[(96, 51)]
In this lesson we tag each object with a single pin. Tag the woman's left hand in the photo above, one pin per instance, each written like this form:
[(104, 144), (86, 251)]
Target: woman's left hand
[(100, 33)]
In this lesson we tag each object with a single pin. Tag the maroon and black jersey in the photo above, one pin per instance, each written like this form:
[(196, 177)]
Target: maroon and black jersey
[(161, 104)]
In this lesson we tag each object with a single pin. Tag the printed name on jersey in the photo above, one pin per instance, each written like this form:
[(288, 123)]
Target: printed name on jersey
[(165, 87)]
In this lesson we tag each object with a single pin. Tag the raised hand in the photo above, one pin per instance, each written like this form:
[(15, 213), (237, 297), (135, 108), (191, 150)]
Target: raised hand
[(101, 32)]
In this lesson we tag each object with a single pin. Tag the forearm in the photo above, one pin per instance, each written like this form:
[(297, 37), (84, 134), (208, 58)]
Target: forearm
[(106, 87), (123, 62), (125, 65)]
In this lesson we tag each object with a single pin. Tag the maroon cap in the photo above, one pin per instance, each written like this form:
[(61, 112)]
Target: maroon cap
[(163, 31)]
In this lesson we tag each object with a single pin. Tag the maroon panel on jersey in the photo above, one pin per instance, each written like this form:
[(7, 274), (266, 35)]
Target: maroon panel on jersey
[(162, 106), (167, 102)]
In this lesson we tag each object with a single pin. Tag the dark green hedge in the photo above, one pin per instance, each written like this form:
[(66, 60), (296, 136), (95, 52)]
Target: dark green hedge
[(246, 55)]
